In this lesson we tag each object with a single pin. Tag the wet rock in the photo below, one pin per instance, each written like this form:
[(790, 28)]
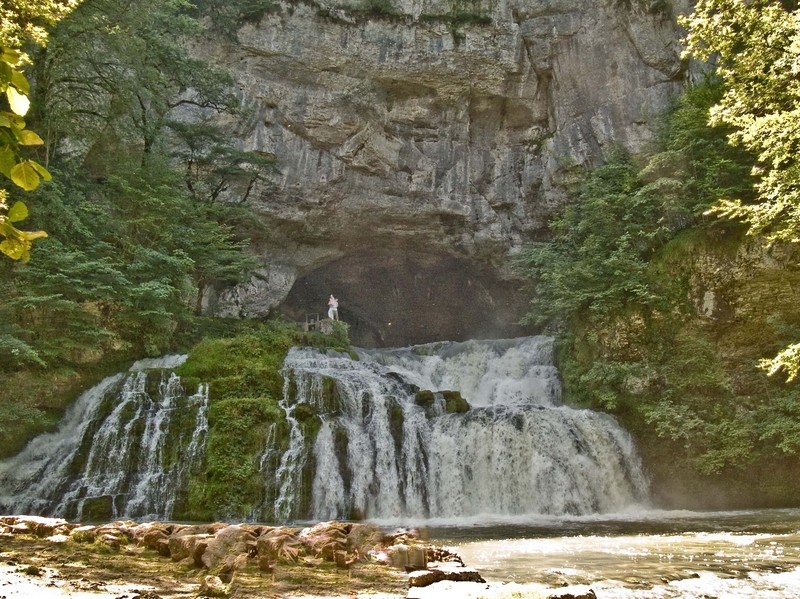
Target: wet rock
[(279, 544), (424, 578), (401, 536), (326, 538), (34, 525), (113, 542), (32, 570), (266, 564), (162, 546), (457, 573), (454, 403), (417, 557), (120, 528), (58, 538), (424, 398), (149, 533), (181, 547), (440, 554), (96, 509), (364, 538), (573, 594), (398, 556), (440, 572), (150, 538), (230, 566)]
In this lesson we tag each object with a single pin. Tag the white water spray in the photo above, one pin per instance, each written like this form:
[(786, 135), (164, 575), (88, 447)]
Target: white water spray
[(383, 451), (386, 436), (124, 449)]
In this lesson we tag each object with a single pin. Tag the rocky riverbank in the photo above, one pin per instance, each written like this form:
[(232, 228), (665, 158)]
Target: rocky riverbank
[(51, 558), (178, 560)]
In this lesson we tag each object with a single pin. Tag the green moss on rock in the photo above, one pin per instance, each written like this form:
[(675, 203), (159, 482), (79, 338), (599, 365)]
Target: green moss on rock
[(98, 509), (454, 403), (424, 398)]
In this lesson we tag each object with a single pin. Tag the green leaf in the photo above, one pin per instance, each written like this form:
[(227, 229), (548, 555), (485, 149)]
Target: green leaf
[(26, 137), (7, 161), (43, 172), (31, 235), (9, 55), (13, 249), (19, 81), (25, 175), (19, 102), (18, 212), (6, 74), (9, 119)]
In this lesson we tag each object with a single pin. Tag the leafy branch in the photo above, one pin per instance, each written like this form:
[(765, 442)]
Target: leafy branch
[(23, 172)]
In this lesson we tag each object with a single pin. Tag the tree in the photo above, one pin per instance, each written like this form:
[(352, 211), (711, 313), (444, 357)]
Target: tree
[(21, 21), (27, 20), (597, 262), (114, 75), (755, 45), (214, 165)]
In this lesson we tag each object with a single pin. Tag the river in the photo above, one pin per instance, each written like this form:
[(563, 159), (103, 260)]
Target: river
[(653, 554)]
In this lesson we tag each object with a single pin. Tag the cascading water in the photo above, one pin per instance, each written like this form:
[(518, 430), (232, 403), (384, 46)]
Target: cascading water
[(433, 431), (124, 449), (396, 439)]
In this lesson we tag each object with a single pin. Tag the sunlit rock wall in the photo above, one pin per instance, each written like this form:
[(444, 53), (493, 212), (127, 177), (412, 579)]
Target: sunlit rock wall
[(412, 131)]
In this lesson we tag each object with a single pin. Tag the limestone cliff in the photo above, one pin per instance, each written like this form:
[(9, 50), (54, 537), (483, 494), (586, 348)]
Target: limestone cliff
[(420, 144)]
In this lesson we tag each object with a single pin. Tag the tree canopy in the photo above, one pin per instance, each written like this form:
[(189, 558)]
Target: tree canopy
[(24, 21), (755, 45), (138, 232)]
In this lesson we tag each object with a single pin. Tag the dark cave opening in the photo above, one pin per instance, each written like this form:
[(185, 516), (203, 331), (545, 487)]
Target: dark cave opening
[(400, 298)]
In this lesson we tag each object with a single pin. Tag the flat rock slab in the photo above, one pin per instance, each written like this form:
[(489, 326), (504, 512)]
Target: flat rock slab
[(452, 573)]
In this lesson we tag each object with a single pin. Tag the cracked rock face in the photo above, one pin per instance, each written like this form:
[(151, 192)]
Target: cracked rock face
[(416, 133)]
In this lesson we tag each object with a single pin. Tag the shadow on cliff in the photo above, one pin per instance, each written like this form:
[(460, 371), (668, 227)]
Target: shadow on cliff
[(399, 298)]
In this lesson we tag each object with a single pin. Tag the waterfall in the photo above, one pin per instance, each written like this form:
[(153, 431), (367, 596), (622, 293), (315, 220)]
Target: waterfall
[(432, 431), (396, 438), (124, 449)]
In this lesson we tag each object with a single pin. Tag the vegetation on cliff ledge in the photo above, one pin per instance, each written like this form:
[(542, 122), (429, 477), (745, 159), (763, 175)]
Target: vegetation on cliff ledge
[(247, 429)]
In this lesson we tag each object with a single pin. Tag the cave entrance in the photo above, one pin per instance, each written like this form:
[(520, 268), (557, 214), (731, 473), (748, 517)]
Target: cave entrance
[(395, 299)]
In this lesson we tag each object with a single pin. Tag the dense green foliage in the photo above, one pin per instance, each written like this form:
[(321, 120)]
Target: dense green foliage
[(756, 46), (137, 232), (624, 281), (598, 260)]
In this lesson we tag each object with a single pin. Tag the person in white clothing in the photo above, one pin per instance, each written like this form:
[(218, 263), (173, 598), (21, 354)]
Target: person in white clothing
[(333, 308)]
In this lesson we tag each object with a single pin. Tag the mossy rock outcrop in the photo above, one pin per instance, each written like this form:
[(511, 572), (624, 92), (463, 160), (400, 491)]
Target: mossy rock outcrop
[(425, 398), (454, 403)]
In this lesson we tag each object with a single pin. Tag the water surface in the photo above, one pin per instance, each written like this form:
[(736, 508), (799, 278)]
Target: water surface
[(673, 554)]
